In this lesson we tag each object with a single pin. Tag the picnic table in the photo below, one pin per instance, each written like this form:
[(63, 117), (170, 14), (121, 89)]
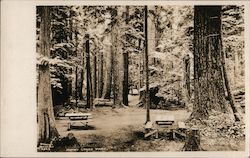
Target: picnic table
[(164, 122), (78, 119)]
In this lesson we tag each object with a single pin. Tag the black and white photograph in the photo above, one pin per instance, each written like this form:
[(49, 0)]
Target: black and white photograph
[(167, 78), (140, 78)]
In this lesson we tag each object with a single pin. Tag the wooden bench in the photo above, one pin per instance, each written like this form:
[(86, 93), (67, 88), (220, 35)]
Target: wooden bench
[(80, 119), (167, 121), (149, 130), (102, 102), (181, 130), (148, 125)]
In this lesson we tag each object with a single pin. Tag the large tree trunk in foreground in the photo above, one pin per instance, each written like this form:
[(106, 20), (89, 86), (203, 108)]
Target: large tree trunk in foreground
[(209, 91), (46, 120), (118, 62)]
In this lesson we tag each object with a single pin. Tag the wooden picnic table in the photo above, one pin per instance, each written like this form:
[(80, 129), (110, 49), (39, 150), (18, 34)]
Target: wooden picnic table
[(78, 119), (162, 123)]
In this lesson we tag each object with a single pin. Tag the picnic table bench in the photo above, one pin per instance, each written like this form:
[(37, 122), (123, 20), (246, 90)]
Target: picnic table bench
[(150, 130), (165, 122), (78, 119)]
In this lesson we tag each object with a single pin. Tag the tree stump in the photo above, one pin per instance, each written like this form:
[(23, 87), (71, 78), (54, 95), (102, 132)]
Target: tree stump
[(192, 141)]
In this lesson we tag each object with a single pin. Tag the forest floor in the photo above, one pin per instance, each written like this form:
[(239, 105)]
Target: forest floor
[(122, 130)]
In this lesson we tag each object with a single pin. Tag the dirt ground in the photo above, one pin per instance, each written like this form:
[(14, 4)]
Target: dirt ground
[(122, 130)]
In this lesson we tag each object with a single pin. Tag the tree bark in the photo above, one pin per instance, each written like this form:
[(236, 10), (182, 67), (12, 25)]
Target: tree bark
[(186, 91), (209, 92), (77, 51), (186, 61), (118, 61), (125, 66), (89, 85), (100, 75), (147, 99), (108, 71), (83, 72), (94, 82), (46, 120), (76, 87), (81, 85), (141, 69), (70, 25)]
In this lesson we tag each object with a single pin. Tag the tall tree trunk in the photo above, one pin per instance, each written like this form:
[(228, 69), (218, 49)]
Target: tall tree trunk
[(108, 71), (209, 92), (186, 91), (142, 72), (100, 74), (76, 87), (69, 88), (77, 51), (141, 69), (125, 65), (81, 85), (125, 80), (94, 82), (71, 32), (89, 85), (118, 61), (83, 72), (46, 120), (147, 99), (186, 61)]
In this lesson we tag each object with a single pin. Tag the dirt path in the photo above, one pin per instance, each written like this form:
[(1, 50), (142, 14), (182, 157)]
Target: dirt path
[(107, 120), (122, 130), (117, 124)]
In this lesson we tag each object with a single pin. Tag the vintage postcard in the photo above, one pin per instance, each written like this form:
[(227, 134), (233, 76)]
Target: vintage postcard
[(125, 78)]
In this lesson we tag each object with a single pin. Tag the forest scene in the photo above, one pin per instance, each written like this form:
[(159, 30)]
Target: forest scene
[(140, 78)]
